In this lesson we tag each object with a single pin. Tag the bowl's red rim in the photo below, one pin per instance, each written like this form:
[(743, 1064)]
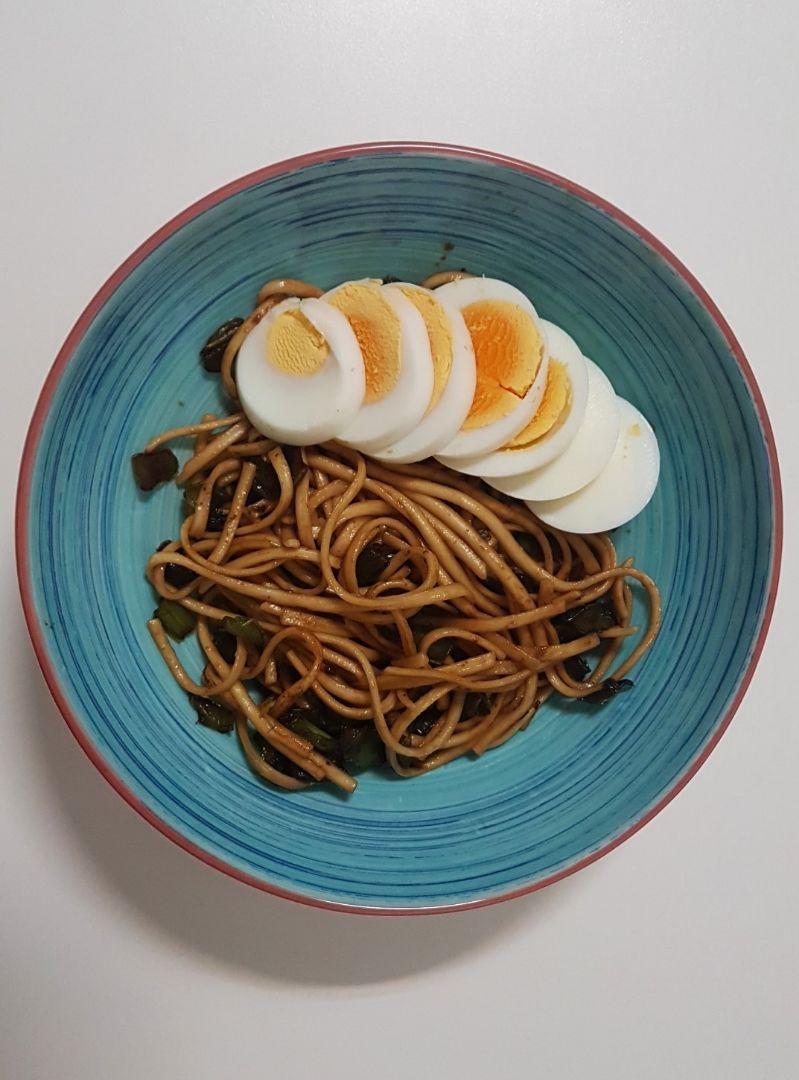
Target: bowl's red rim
[(104, 293)]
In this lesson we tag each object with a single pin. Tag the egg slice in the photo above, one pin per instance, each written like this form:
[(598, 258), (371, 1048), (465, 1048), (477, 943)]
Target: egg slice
[(454, 377), (397, 362), (511, 356), (299, 373), (620, 491), (585, 456), (557, 418)]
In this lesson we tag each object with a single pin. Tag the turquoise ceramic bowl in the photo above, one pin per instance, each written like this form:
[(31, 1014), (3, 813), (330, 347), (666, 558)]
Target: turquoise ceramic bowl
[(578, 781)]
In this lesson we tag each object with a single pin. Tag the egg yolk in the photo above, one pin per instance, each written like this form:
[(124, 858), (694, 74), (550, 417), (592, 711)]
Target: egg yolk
[(552, 411), (439, 332), (508, 350), (294, 345), (377, 330)]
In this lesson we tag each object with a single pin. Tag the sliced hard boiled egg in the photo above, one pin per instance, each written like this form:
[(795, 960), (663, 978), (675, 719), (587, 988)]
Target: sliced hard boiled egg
[(397, 362), (585, 456), (511, 356), (300, 374), (621, 490), (454, 376), (557, 418)]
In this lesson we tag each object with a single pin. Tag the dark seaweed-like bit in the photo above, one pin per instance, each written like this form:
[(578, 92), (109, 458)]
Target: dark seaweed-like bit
[(589, 619), (476, 704), (175, 575), (525, 579), (424, 723), (577, 667), (372, 561), (218, 510), (153, 467), (213, 350), (422, 623), (225, 645), (265, 484), (178, 576), (440, 650), (530, 545), (608, 691), (293, 456)]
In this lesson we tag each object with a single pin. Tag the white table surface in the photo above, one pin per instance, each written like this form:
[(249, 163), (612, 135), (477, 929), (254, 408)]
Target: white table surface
[(122, 957)]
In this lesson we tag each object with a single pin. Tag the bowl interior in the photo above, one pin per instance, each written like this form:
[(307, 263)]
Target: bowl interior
[(578, 777)]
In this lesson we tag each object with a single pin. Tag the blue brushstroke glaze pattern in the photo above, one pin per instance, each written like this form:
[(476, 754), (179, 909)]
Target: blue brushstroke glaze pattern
[(577, 777)]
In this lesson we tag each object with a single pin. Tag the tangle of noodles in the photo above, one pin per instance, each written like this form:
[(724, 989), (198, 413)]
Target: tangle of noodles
[(447, 650)]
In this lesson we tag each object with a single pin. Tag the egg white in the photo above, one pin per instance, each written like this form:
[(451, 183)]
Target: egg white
[(620, 491), (379, 423), (510, 462), (584, 457), (302, 409), (473, 442), (442, 421)]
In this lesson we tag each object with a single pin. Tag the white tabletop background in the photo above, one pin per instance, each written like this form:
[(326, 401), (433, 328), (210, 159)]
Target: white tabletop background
[(122, 957)]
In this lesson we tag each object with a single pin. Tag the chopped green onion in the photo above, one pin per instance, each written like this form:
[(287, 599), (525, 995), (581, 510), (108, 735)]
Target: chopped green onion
[(247, 630), (212, 715), (361, 748), (306, 729), (177, 620)]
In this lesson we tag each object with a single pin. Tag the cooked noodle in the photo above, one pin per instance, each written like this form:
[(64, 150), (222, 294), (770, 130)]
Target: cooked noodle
[(449, 650)]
